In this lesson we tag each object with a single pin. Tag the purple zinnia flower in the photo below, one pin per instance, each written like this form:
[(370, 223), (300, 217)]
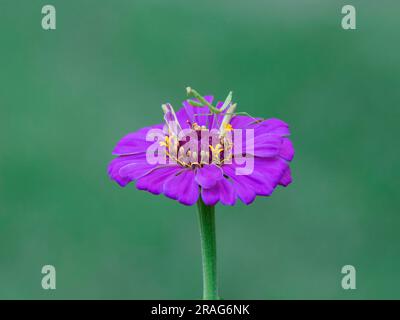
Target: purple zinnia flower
[(206, 154), (211, 173)]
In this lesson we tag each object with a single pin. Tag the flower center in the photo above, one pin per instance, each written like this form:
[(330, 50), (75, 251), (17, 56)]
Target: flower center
[(199, 146)]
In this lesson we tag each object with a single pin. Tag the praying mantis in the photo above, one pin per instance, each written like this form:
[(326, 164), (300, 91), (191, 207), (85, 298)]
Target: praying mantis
[(227, 110), (230, 108)]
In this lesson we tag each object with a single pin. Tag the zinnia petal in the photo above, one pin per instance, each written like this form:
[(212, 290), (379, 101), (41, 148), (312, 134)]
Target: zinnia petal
[(208, 175), (286, 178), (223, 191), (118, 163), (275, 126), (287, 150), (154, 180), (210, 196), (135, 142), (243, 191), (182, 187), (227, 194)]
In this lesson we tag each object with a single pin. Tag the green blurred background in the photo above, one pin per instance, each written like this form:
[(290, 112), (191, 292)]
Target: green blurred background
[(67, 96)]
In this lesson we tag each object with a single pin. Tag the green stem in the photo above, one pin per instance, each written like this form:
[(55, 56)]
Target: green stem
[(208, 250)]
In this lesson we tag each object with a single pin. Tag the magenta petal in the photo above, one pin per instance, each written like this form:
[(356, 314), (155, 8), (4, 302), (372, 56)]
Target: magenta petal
[(286, 178), (287, 150), (246, 194), (182, 187), (260, 183), (208, 175), (243, 191), (210, 196), (154, 180), (113, 172), (116, 165), (265, 145), (227, 194), (223, 191), (183, 118), (135, 142), (271, 169), (171, 186), (276, 126), (242, 122), (135, 170)]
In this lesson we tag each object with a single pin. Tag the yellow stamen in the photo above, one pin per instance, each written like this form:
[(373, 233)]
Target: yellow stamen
[(228, 127), (217, 150)]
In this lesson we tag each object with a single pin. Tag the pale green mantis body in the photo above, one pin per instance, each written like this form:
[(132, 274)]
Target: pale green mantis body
[(215, 111), (227, 110)]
